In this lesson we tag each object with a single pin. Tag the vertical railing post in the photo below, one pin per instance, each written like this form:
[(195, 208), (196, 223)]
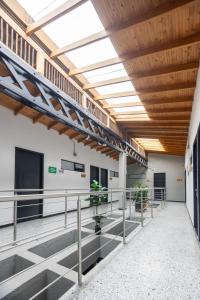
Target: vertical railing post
[(141, 199), (130, 205), (111, 204), (79, 242), (124, 216), (65, 210), (151, 195), (164, 196), (162, 193), (15, 221)]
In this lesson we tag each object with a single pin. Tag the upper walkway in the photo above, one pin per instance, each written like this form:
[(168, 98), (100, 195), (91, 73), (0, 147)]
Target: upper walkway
[(161, 262)]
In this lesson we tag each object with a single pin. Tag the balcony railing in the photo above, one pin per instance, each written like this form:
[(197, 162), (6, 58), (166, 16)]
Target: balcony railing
[(19, 45), (96, 111), (51, 73), (76, 243)]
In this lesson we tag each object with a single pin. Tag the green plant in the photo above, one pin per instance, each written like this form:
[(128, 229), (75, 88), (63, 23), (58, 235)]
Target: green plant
[(97, 200), (141, 192)]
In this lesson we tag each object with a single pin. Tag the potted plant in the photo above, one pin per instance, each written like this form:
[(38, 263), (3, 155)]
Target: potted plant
[(141, 192), (96, 201)]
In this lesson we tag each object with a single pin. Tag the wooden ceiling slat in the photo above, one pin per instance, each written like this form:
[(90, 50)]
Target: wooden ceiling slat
[(154, 110), (154, 103), (186, 41), (139, 76), (155, 12), (178, 86)]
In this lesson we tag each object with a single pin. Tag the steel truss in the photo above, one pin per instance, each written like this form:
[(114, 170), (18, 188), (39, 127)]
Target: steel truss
[(46, 98)]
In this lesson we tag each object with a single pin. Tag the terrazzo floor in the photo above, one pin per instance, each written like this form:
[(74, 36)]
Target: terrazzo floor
[(161, 262)]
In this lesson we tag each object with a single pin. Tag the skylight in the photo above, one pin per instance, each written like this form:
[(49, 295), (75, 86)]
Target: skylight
[(93, 53), (129, 109), (115, 88), (133, 117), (77, 24), (150, 144), (37, 8), (123, 100)]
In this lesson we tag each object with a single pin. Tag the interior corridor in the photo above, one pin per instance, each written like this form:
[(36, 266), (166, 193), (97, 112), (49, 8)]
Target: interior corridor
[(161, 262)]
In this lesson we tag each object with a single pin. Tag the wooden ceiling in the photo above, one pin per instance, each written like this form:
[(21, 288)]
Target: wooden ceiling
[(158, 42), (160, 51)]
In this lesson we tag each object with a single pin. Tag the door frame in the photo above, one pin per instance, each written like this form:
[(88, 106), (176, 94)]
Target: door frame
[(41, 176)]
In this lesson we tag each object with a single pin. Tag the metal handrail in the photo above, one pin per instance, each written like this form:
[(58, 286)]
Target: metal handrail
[(79, 220), (49, 196)]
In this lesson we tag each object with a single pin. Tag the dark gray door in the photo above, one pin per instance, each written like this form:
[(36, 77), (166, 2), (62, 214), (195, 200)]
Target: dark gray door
[(104, 178), (28, 175), (94, 174), (159, 182)]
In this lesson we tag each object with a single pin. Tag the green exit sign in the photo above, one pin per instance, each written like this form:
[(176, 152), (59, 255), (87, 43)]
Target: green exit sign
[(52, 170)]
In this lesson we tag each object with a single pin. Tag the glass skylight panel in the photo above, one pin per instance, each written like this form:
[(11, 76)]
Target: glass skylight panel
[(115, 88), (93, 53), (77, 24), (106, 73), (129, 109), (37, 8), (150, 144), (123, 100)]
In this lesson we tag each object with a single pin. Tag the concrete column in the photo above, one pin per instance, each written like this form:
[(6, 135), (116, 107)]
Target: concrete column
[(122, 173)]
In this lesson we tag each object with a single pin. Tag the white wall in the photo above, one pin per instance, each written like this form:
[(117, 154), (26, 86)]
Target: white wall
[(21, 132), (172, 165), (194, 124)]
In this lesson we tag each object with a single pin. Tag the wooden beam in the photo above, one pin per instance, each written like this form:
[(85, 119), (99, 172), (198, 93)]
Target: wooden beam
[(99, 65), (64, 130), (152, 90), (19, 109), (99, 148), (157, 135), (157, 129), (52, 125), (161, 120), (156, 115), (150, 102), (94, 145), (81, 139), (155, 122), (54, 15), (138, 127), (37, 117), (108, 150), (78, 44), (153, 110), (173, 132), (109, 153), (162, 9), (181, 153), (144, 75), (89, 142), (190, 40), (73, 135)]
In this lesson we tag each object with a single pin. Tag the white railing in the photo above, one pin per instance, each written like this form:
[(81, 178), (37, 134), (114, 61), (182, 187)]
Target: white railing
[(140, 200)]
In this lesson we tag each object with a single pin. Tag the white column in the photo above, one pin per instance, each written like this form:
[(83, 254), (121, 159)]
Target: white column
[(122, 173)]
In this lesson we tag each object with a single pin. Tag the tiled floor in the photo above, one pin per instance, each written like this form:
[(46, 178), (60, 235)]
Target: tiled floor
[(162, 262)]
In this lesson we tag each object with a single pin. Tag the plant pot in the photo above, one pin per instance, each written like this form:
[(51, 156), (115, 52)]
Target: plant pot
[(97, 229), (138, 206)]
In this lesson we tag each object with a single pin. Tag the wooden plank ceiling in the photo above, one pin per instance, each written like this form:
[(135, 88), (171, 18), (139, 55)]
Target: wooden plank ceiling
[(161, 56)]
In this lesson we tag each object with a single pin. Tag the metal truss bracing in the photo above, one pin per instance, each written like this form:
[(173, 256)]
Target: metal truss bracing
[(21, 82)]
